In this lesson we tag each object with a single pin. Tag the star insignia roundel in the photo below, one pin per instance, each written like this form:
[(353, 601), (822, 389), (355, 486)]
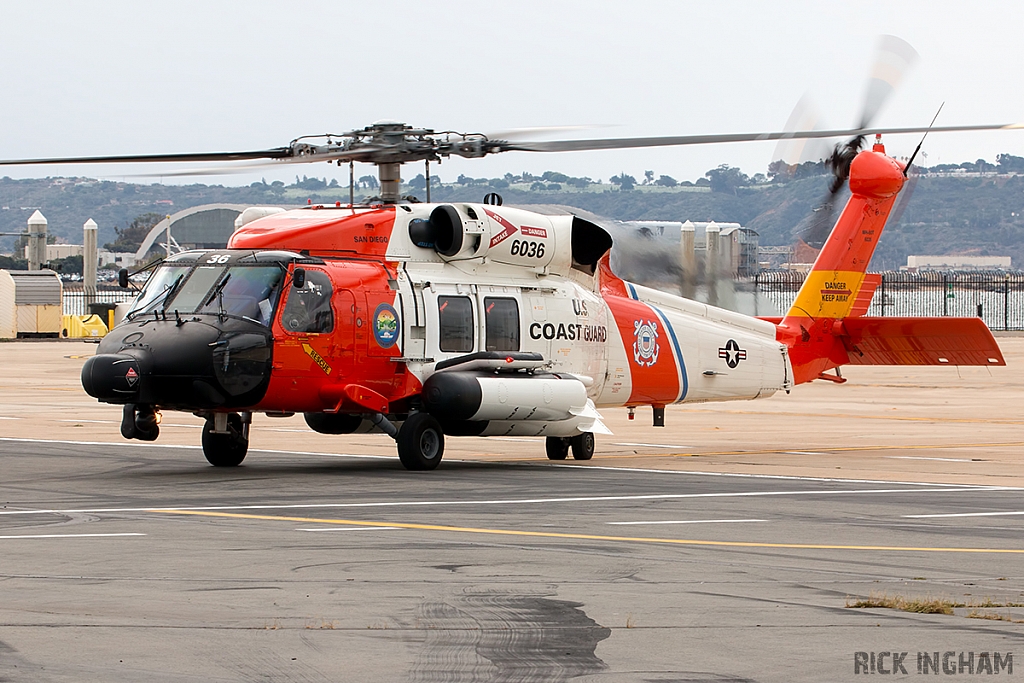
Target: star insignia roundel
[(732, 353)]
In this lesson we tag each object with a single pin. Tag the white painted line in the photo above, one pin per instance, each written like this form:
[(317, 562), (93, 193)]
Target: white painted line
[(2, 417), (921, 457), (117, 422), (10, 538), (803, 453), (589, 468), (143, 444), (509, 501), (354, 528), (512, 438), (784, 477), (692, 521), (966, 514), (652, 445)]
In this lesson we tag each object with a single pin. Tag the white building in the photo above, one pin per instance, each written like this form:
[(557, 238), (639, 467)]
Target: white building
[(916, 263), (59, 251)]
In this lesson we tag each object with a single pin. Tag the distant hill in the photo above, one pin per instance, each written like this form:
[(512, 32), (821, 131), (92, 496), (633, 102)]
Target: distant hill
[(954, 210)]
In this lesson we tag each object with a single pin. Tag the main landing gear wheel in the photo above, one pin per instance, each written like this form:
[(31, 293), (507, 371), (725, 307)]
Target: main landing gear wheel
[(557, 447), (420, 442), (582, 446), (225, 450)]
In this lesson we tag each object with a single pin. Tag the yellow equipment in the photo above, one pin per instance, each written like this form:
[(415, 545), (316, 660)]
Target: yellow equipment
[(83, 326)]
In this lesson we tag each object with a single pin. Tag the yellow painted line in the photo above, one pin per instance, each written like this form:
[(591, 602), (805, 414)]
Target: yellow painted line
[(586, 537)]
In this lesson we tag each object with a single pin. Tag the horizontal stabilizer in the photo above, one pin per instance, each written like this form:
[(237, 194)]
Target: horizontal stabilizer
[(866, 293), (919, 341)]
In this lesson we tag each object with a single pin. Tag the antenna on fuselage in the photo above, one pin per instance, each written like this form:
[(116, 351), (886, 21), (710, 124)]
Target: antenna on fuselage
[(906, 169)]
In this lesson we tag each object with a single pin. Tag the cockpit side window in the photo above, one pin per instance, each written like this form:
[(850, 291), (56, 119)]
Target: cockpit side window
[(308, 310), (159, 286)]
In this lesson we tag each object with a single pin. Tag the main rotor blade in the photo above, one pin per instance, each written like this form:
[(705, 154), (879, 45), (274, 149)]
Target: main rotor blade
[(628, 143), (276, 153), (893, 59)]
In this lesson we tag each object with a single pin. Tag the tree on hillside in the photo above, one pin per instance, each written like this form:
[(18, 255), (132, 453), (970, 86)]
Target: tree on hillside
[(1008, 163), (666, 181), (310, 183), (648, 177), (420, 182), (726, 178), (625, 182), (130, 239)]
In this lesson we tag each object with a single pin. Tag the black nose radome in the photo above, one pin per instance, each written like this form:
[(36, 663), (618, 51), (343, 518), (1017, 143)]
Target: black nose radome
[(112, 377)]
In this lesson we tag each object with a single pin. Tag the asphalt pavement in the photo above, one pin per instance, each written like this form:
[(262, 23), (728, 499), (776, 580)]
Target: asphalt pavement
[(126, 562)]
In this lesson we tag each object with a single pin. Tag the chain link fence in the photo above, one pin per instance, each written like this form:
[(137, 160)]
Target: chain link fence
[(996, 297), (77, 302)]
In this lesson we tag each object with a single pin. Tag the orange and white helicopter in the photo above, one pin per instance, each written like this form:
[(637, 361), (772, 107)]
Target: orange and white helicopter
[(429, 320)]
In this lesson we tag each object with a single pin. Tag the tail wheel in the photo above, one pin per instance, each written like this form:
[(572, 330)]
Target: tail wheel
[(225, 450), (557, 447), (420, 442), (582, 446)]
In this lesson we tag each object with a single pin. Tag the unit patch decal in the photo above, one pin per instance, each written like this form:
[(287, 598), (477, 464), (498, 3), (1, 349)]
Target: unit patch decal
[(732, 353), (645, 347), (385, 326)]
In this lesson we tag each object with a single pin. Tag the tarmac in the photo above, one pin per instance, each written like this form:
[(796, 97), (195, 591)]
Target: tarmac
[(726, 546)]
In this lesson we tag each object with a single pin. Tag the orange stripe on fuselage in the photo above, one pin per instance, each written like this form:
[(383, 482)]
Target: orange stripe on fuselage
[(652, 365)]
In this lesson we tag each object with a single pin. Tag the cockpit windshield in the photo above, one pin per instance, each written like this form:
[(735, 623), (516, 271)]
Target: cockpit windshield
[(246, 291), (249, 291)]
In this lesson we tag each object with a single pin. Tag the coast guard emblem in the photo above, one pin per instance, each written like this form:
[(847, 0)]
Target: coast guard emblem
[(645, 347)]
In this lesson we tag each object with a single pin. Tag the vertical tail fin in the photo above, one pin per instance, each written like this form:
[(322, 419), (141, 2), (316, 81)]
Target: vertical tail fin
[(838, 283)]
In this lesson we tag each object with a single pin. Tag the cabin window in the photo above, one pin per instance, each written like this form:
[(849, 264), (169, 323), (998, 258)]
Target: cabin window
[(502, 317), (308, 310), (455, 315)]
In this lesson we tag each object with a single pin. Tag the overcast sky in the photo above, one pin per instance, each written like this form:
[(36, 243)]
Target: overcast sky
[(144, 77)]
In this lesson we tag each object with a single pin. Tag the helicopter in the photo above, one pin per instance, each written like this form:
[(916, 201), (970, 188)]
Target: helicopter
[(434, 320)]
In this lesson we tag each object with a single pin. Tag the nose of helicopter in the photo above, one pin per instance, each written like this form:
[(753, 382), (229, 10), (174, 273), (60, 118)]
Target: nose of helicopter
[(186, 365)]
